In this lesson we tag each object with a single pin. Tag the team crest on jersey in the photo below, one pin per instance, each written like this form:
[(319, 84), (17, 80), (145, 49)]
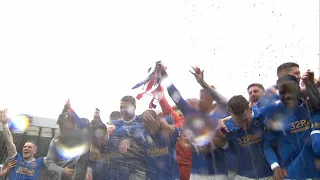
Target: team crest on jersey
[(34, 163)]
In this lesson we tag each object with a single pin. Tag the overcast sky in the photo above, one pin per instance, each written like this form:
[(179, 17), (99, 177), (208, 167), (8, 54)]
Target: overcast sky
[(94, 52)]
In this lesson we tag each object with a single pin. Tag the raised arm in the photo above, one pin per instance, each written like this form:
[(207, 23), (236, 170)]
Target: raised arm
[(173, 91), (270, 97), (167, 109), (217, 97), (176, 97), (67, 108), (11, 147), (312, 88), (221, 100)]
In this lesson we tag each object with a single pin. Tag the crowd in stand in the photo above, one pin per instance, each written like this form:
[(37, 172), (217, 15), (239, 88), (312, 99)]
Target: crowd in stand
[(274, 135)]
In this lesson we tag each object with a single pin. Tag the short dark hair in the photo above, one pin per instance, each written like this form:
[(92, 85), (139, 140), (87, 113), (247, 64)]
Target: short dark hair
[(31, 141), (129, 99), (238, 104), (285, 67), (115, 115), (257, 85)]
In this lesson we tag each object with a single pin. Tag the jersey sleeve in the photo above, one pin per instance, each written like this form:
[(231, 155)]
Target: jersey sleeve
[(167, 110), (50, 160), (80, 124), (178, 99), (174, 136), (17, 157), (165, 107), (270, 139), (268, 98), (315, 133)]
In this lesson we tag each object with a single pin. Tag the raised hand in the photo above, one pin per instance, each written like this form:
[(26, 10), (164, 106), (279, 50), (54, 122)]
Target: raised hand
[(150, 122), (68, 172), (162, 70), (66, 107), (12, 163), (198, 74), (221, 133), (166, 128), (110, 129), (89, 175), (308, 77), (124, 145), (3, 116), (68, 104)]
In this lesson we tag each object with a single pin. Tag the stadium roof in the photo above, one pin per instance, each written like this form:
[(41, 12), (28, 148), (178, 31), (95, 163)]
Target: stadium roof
[(44, 122)]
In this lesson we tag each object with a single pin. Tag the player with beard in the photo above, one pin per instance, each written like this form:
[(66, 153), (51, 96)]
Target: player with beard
[(255, 91), (271, 95), (287, 125), (28, 168)]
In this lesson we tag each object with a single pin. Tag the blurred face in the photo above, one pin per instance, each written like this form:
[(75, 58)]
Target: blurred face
[(289, 93), (127, 110), (295, 71), (255, 93), (205, 101), (66, 128), (29, 150), (150, 123), (243, 120), (101, 134), (193, 103)]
